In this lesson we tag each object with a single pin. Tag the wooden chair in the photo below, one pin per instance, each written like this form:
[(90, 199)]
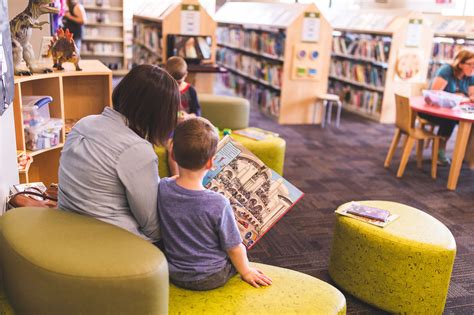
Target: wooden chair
[(405, 123)]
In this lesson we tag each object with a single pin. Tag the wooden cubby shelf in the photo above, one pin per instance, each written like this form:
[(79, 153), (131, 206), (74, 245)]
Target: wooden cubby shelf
[(75, 94), (375, 54), (277, 56)]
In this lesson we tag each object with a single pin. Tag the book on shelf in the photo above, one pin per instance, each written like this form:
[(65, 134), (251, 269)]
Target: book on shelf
[(256, 133), (266, 99), (253, 67), (368, 101), (258, 195), (358, 72), (270, 44), (371, 48), (375, 216)]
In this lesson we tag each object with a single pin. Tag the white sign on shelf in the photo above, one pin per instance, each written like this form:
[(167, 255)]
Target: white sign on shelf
[(190, 19), (414, 31), (311, 27)]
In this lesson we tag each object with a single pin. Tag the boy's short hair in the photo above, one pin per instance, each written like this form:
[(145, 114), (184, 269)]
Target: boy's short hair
[(194, 143), (177, 67)]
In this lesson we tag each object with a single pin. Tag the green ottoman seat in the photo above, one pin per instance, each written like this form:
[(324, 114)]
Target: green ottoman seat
[(402, 268), (57, 262), (225, 111), (291, 293), (271, 151)]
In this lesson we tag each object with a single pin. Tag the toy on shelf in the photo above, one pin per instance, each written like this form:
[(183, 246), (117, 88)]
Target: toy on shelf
[(63, 49), (21, 27)]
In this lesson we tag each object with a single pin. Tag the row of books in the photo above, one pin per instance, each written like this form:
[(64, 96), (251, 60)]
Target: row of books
[(267, 100), (142, 56), (447, 51), (148, 35), (259, 42), (376, 48), (432, 69), (112, 49), (358, 72), (367, 101), (252, 67)]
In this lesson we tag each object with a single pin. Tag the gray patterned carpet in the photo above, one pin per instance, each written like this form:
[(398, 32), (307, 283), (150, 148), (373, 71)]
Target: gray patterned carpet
[(333, 166)]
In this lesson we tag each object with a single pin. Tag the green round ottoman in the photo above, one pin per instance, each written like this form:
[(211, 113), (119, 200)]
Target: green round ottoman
[(57, 262), (402, 268), (225, 111), (271, 151), (292, 292)]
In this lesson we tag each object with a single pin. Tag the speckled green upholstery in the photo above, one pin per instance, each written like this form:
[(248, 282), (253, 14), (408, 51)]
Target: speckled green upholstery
[(270, 151), (291, 293), (402, 268), (57, 262), (225, 111)]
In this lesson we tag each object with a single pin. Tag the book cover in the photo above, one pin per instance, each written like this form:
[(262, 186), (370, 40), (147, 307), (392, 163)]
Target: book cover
[(255, 133), (257, 194), (371, 215)]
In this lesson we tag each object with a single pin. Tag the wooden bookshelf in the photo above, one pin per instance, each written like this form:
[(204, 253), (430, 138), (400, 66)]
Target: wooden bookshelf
[(451, 34), (153, 21), (271, 60), (75, 94), (376, 54), (104, 37)]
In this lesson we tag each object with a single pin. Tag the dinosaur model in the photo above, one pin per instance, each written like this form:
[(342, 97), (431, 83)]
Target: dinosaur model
[(63, 49), (21, 27)]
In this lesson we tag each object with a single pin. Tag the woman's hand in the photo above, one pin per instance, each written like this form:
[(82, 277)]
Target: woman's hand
[(256, 278)]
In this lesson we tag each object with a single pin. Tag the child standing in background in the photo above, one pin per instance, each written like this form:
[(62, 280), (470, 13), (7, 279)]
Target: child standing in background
[(177, 67), (202, 242), (189, 108)]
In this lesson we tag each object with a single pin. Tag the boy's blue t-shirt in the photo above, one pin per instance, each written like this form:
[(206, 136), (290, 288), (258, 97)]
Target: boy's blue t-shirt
[(197, 227), (454, 84)]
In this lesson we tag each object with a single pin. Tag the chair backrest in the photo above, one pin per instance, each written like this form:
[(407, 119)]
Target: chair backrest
[(405, 119), (225, 111)]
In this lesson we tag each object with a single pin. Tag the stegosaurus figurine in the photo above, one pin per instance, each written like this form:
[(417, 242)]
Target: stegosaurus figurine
[(63, 49)]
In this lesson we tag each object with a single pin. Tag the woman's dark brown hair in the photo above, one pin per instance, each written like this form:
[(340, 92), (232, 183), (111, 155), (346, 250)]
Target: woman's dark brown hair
[(460, 58), (148, 97)]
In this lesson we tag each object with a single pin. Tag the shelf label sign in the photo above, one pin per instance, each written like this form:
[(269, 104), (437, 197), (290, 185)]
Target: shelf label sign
[(414, 31), (311, 27), (190, 19)]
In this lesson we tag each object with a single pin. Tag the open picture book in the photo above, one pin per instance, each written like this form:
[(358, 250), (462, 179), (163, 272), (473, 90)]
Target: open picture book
[(257, 194)]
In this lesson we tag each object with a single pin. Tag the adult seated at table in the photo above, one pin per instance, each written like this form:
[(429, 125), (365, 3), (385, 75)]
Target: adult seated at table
[(458, 78)]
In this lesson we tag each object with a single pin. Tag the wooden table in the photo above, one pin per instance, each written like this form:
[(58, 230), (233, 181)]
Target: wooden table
[(418, 104)]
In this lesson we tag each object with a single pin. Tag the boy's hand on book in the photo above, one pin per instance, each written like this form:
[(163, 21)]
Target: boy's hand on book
[(256, 278)]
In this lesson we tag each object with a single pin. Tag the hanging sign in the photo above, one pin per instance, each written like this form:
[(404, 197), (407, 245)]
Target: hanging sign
[(311, 27), (190, 19), (414, 31)]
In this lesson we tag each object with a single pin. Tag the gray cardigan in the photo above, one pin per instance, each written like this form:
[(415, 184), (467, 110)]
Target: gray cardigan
[(109, 172)]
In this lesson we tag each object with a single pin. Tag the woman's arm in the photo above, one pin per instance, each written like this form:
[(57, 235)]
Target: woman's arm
[(439, 84), (80, 15), (137, 168), (253, 276), (471, 93)]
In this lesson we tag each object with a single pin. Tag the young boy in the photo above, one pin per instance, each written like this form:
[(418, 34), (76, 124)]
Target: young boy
[(189, 107), (201, 239), (177, 67)]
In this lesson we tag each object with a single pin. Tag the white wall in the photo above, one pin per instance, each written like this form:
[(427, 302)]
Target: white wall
[(8, 167), (17, 6)]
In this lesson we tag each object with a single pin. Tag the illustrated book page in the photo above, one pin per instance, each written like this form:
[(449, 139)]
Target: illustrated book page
[(257, 194)]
